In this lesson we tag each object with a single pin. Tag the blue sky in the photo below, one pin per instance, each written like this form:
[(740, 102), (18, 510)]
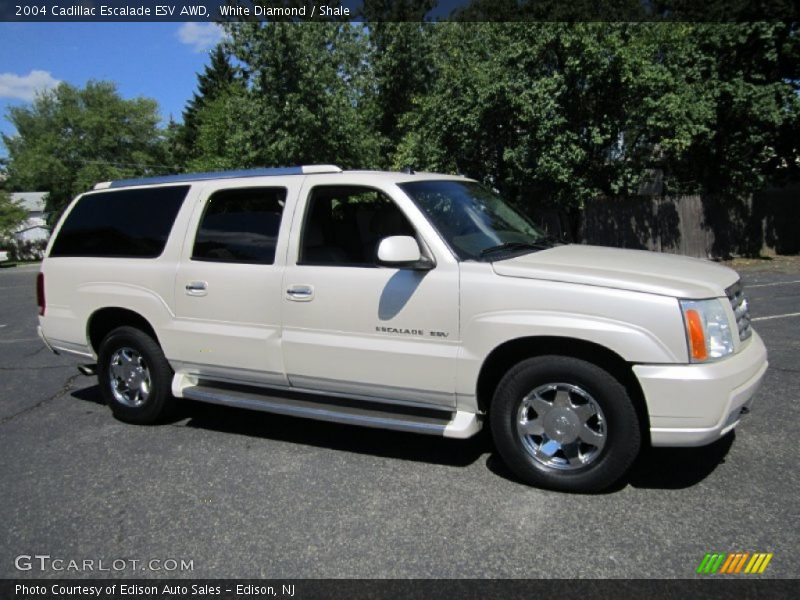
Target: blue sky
[(156, 60)]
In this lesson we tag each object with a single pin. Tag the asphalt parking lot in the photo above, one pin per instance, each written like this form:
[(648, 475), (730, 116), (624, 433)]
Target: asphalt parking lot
[(244, 494)]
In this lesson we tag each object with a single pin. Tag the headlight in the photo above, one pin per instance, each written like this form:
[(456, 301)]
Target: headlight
[(708, 331)]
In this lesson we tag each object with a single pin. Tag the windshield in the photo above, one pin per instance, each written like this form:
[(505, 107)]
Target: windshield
[(475, 222)]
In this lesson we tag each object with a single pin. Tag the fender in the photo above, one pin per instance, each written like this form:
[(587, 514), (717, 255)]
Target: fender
[(486, 332), (149, 305)]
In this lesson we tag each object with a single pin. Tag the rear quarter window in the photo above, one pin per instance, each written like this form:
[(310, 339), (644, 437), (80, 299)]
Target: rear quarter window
[(120, 223)]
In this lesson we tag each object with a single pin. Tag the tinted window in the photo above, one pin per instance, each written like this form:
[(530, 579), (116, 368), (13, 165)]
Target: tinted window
[(240, 225), (344, 225), (125, 223)]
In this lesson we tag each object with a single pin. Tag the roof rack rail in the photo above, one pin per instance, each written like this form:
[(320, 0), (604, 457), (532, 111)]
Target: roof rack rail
[(187, 177)]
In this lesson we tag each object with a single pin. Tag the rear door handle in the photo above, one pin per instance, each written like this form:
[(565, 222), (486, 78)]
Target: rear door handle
[(197, 288), (300, 293)]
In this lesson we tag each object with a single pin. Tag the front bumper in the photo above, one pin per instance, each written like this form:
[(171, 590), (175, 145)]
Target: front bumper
[(694, 405)]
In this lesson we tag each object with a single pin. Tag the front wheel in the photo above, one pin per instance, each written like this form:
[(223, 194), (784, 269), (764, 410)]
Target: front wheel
[(134, 376), (563, 423)]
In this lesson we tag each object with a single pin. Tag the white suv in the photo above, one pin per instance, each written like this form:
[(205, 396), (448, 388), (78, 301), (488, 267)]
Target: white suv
[(410, 301)]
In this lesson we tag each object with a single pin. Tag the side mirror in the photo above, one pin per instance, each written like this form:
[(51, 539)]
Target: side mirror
[(402, 251)]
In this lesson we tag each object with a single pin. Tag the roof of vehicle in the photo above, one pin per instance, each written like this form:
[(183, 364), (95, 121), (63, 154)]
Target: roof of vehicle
[(396, 176)]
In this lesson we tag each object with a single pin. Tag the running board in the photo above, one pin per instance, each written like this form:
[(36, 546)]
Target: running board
[(452, 424)]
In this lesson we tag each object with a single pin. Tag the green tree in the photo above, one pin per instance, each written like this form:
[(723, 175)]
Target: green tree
[(308, 94), (402, 71), (215, 81), (12, 215), (547, 108), (71, 138), (555, 112), (224, 138), (570, 111), (400, 57), (748, 78)]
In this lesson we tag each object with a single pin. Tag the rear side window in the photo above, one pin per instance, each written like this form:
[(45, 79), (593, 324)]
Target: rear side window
[(124, 223), (240, 225)]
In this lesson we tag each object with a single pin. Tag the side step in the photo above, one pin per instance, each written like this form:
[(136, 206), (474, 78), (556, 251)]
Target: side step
[(453, 424)]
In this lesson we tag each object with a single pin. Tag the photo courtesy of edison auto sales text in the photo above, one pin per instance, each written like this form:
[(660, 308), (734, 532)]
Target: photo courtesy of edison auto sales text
[(166, 590)]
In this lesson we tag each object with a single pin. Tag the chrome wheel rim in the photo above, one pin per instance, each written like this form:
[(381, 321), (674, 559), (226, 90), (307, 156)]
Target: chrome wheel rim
[(561, 426), (129, 377)]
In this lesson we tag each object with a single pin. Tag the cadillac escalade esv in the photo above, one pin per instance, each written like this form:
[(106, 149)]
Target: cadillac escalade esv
[(417, 302)]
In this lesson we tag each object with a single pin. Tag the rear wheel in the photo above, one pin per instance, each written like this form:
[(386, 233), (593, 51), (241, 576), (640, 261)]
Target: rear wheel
[(565, 424), (135, 377)]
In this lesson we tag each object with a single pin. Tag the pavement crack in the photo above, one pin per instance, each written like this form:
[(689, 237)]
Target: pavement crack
[(64, 389), (34, 353)]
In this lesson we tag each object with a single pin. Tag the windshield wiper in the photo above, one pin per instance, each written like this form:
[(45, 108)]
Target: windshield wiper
[(516, 246)]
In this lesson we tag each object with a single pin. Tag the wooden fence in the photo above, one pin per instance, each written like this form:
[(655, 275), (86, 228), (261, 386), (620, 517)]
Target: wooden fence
[(767, 222)]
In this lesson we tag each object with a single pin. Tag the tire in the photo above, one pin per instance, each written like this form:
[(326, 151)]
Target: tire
[(564, 424), (134, 376)]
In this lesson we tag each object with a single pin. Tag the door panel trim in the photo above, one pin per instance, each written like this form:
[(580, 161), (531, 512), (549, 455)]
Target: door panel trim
[(387, 393), (230, 374), (313, 385)]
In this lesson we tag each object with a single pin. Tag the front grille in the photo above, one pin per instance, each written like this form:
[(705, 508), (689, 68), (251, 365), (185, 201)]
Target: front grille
[(741, 310)]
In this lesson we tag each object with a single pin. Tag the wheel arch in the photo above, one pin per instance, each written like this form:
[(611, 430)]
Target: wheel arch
[(104, 320), (511, 352)]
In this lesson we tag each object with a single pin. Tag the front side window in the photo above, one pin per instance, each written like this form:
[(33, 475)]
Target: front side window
[(344, 225), (475, 222), (240, 225), (120, 223)]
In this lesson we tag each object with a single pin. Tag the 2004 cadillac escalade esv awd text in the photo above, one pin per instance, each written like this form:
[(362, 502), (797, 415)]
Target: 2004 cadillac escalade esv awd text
[(410, 301)]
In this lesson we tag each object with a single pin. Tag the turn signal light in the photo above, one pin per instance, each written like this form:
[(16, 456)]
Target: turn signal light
[(697, 337)]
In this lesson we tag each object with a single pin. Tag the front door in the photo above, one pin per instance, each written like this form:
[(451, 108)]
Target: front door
[(354, 328)]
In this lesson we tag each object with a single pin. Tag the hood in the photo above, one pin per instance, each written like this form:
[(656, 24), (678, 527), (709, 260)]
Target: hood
[(635, 270)]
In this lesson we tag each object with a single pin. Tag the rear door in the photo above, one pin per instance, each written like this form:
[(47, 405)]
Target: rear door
[(228, 282)]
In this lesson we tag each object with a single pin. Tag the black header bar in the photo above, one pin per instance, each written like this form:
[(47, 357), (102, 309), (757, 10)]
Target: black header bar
[(729, 11)]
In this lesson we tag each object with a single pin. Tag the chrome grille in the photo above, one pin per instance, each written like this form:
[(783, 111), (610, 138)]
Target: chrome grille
[(740, 308)]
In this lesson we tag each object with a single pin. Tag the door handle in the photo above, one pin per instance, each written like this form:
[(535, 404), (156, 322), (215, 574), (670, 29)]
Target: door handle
[(300, 293), (197, 288)]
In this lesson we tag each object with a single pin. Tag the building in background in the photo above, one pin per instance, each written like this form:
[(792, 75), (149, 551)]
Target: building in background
[(30, 240), (34, 229)]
